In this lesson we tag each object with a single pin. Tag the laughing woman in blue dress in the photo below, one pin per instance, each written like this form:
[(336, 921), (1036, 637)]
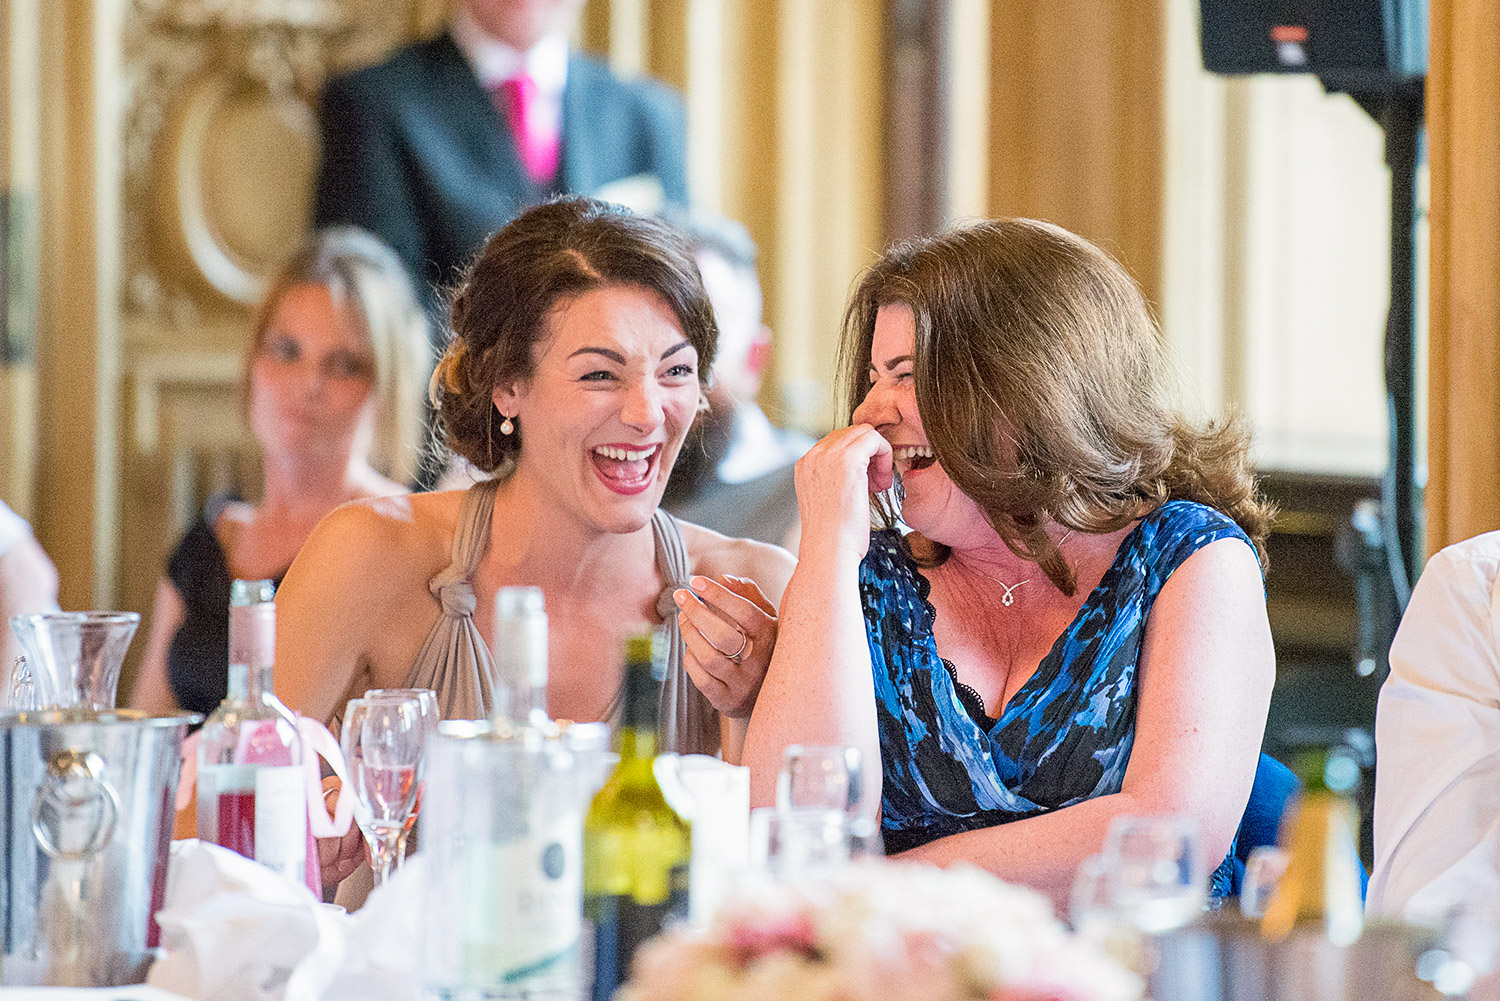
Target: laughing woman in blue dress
[(1074, 626)]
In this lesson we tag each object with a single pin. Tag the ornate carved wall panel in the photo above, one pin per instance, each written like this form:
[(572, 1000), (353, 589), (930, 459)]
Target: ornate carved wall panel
[(219, 150)]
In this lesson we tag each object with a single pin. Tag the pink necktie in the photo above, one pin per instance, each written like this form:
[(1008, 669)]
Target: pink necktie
[(540, 148)]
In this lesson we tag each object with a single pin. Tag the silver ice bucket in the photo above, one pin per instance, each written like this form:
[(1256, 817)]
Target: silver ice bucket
[(1224, 958), (86, 811)]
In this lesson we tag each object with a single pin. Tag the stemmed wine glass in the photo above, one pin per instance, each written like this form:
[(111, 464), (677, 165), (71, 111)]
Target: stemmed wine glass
[(427, 705), (382, 743)]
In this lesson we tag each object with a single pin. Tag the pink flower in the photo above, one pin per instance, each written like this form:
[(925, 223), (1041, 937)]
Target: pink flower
[(881, 932), (788, 932)]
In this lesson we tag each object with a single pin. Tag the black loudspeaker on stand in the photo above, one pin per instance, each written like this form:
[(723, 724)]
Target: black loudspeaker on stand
[(1376, 52)]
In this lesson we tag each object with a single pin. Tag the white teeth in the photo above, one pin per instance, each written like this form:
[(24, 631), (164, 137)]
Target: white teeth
[(625, 454), (906, 453)]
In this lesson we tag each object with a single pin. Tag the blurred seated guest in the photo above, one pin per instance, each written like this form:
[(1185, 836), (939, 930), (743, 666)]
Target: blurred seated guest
[(581, 343), (28, 583), (735, 474), (449, 138), (1437, 741), (1075, 628), (333, 378)]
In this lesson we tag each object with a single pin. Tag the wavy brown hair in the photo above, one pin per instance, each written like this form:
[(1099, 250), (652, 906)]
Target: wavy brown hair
[(548, 255), (1044, 387)]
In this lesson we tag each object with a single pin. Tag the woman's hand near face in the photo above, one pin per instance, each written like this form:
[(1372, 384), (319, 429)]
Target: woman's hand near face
[(835, 481), (728, 631)]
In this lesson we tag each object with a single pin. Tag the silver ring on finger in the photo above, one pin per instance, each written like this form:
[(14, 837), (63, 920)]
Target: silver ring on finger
[(744, 643), (744, 648)]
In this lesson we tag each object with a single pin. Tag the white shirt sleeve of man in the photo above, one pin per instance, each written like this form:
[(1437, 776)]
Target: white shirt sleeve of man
[(13, 529), (1437, 737)]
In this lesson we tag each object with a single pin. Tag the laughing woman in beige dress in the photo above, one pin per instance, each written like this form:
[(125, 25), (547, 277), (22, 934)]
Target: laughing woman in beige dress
[(582, 339)]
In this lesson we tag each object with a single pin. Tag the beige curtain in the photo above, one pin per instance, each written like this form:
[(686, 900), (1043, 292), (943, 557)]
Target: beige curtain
[(1463, 491), (1077, 138)]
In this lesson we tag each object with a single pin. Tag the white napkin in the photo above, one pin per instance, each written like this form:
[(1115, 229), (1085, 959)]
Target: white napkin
[(715, 798), (382, 961), (233, 930), (134, 992)]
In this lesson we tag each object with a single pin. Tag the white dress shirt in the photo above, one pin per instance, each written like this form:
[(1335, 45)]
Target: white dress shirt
[(1437, 737), (494, 62)]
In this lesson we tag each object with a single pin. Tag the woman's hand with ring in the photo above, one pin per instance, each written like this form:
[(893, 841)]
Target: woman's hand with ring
[(338, 857), (728, 631)]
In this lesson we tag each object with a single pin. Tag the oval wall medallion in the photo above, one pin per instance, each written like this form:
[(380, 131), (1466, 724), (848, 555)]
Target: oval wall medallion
[(234, 196)]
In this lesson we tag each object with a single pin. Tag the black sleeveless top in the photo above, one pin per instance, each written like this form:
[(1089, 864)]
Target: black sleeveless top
[(198, 658)]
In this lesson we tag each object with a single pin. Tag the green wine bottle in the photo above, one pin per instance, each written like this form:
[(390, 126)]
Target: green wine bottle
[(636, 849)]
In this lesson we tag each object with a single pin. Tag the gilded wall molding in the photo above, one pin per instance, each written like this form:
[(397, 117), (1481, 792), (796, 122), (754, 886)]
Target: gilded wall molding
[(221, 141), (220, 145)]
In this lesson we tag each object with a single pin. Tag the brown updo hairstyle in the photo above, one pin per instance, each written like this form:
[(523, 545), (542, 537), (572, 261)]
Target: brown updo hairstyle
[(546, 256), (368, 281), (1044, 387)]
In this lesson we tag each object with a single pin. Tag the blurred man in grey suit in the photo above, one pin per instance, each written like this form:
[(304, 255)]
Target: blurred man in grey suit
[(734, 474), (448, 139)]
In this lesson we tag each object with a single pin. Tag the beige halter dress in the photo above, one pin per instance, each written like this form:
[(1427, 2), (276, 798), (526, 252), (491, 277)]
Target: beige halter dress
[(455, 662)]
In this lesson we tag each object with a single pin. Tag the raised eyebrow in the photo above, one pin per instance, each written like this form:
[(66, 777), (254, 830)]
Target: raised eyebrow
[(613, 356)]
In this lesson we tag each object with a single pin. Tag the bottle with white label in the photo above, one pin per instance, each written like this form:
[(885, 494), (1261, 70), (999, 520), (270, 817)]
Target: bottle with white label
[(503, 827), (252, 796)]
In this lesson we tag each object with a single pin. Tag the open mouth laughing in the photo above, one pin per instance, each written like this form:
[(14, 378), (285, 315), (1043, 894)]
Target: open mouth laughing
[(912, 457), (625, 468)]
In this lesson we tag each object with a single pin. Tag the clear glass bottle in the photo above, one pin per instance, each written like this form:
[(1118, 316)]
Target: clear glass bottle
[(636, 849), (252, 796), (503, 828), (520, 655)]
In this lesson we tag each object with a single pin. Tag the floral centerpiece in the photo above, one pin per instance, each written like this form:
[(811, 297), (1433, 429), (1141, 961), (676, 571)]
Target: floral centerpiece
[(880, 931)]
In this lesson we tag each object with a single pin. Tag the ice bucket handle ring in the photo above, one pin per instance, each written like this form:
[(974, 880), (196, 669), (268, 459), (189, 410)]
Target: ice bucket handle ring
[(74, 789)]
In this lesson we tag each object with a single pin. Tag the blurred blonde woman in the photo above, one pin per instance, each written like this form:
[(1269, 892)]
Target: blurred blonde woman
[(333, 381)]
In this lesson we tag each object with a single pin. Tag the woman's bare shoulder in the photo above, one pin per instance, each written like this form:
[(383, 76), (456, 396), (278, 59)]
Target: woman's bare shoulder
[(711, 554), (401, 532)]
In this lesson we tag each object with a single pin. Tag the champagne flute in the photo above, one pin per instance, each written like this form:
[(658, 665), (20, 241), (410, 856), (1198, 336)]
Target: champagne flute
[(427, 704), (382, 744)]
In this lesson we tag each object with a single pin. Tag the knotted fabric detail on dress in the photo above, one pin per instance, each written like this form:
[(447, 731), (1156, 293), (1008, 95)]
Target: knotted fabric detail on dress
[(454, 660), (689, 724)]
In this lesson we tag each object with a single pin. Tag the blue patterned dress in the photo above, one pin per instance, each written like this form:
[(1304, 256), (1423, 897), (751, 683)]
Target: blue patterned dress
[(1063, 738)]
